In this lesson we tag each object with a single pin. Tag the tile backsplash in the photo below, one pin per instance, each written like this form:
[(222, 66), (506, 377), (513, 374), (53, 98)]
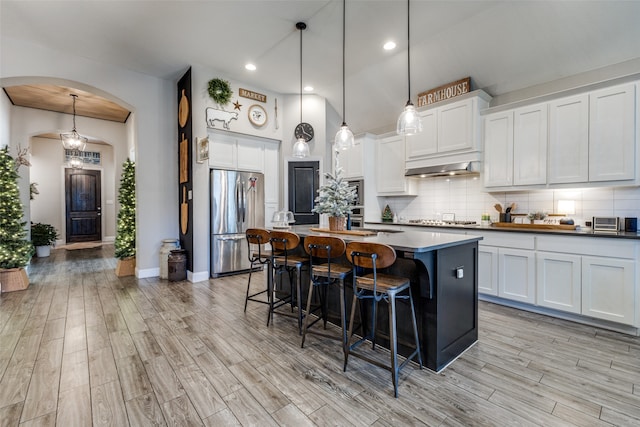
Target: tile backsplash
[(466, 197)]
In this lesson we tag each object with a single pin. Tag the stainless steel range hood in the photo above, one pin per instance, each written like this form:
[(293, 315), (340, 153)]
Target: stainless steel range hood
[(448, 169)]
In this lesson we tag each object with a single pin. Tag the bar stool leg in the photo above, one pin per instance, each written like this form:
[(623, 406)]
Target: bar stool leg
[(393, 342), (374, 319), (306, 319), (343, 317), (350, 333), (246, 298), (415, 328), (299, 297)]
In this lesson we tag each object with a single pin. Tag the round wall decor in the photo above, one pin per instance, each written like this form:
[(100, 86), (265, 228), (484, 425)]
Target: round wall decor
[(257, 115)]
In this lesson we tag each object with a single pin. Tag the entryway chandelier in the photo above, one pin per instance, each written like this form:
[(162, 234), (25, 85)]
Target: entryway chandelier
[(72, 140)]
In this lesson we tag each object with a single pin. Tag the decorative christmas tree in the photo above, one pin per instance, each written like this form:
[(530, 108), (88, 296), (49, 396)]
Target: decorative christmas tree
[(387, 215), (336, 197), (15, 250), (126, 233)]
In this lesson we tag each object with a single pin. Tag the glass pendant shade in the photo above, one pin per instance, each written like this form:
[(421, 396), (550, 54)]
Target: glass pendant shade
[(76, 162), (409, 122), (300, 148), (73, 141), (344, 138)]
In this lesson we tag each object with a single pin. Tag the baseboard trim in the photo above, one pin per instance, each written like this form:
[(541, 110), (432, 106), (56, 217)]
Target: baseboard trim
[(147, 272), (199, 276)]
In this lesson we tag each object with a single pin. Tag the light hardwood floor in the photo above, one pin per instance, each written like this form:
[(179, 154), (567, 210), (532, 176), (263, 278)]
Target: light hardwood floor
[(83, 347)]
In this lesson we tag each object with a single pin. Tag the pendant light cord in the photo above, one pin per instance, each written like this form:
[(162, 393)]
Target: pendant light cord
[(408, 55), (301, 26), (344, 12)]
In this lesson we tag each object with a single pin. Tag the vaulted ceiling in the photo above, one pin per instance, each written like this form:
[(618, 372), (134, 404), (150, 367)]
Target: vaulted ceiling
[(503, 45)]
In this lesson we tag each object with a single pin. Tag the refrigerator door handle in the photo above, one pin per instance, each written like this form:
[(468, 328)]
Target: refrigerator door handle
[(230, 238), (238, 205), (244, 204)]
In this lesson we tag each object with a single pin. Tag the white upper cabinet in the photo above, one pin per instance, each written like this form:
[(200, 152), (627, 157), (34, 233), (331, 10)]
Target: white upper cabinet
[(390, 167), (232, 153), (426, 142), (569, 140), (498, 149), (612, 134), (455, 126), (449, 128), (530, 145), (271, 173), (351, 160)]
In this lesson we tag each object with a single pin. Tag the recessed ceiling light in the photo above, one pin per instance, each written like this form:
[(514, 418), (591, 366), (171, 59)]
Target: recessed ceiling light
[(308, 88), (250, 67), (389, 45)]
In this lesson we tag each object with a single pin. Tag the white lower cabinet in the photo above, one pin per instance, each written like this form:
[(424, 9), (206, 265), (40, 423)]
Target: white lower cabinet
[(488, 270), (559, 281), (516, 275), (608, 288)]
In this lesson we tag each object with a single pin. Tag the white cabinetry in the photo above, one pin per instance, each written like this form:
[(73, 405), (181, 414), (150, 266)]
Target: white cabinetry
[(488, 270), (390, 165), (569, 140), (530, 145), (612, 134), (448, 128), (351, 160), (232, 153), (272, 180), (516, 275), (559, 283), (608, 289), (498, 149)]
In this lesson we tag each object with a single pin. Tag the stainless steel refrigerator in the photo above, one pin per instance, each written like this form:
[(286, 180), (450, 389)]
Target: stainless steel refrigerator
[(237, 203)]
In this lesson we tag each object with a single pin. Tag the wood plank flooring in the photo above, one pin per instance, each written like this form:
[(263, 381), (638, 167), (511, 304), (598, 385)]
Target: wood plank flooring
[(83, 347)]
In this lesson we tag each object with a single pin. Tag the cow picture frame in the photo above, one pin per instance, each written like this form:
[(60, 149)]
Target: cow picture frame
[(257, 115), (202, 149)]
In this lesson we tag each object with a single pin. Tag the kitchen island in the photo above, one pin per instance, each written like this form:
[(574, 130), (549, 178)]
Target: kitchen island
[(443, 269)]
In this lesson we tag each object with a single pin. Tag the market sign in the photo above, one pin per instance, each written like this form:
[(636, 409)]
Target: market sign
[(450, 90), (253, 95)]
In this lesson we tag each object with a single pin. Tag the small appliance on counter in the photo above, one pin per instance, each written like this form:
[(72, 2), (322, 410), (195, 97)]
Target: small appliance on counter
[(631, 225), (609, 224), (283, 220)]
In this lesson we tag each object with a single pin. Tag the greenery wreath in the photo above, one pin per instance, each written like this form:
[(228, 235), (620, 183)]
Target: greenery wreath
[(220, 91)]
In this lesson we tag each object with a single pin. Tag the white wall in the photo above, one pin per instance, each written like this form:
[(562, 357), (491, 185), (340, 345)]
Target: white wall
[(153, 105)]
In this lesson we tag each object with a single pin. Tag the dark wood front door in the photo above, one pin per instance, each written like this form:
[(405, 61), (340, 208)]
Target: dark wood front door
[(304, 181), (82, 200)]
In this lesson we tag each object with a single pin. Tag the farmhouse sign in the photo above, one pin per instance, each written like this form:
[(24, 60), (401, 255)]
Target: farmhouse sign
[(450, 90), (253, 95)]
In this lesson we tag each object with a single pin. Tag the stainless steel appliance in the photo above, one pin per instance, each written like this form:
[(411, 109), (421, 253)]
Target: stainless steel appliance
[(237, 203), (606, 223), (357, 211)]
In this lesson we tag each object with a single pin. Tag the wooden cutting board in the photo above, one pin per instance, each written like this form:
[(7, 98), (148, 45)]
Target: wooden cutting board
[(534, 226), (184, 212), (183, 109), (184, 158), (351, 232)]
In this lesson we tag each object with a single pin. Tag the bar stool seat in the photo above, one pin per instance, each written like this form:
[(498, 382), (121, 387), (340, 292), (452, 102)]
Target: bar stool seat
[(257, 238), (284, 261), (325, 251), (376, 286)]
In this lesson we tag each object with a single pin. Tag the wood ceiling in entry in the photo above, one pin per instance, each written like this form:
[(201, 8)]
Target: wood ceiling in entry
[(57, 98)]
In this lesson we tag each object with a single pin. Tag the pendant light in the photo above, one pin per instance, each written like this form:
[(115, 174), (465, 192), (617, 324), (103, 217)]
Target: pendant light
[(344, 137), (409, 122), (301, 147), (76, 162), (72, 140)]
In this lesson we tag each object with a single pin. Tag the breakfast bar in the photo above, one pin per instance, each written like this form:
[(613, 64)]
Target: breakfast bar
[(443, 269)]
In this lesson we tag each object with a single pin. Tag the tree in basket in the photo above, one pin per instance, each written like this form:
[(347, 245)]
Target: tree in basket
[(15, 249), (335, 198), (125, 244)]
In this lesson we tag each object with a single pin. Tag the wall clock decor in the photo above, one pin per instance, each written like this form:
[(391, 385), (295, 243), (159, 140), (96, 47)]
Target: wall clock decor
[(304, 131), (257, 115)]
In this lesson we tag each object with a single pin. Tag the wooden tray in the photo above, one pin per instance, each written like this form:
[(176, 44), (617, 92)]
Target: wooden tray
[(535, 226), (351, 232)]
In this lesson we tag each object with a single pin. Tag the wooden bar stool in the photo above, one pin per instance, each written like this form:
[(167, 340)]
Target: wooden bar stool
[(376, 286), (325, 270), (284, 261), (257, 238)]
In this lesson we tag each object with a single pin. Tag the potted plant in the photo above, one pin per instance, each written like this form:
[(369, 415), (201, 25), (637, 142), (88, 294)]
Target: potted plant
[(335, 198), (43, 236), (15, 249)]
